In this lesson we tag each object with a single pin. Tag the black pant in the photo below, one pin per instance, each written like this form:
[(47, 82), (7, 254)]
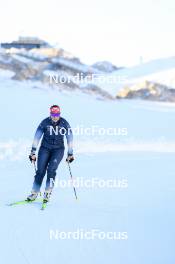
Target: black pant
[(48, 160)]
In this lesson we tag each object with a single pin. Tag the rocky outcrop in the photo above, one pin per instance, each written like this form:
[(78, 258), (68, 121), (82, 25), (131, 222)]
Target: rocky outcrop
[(105, 66), (148, 91)]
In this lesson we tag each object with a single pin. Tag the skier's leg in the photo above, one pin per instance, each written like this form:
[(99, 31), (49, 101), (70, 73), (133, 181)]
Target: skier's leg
[(42, 163), (54, 161)]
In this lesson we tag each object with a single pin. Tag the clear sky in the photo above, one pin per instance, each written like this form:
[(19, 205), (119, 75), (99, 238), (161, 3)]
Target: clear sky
[(118, 31)]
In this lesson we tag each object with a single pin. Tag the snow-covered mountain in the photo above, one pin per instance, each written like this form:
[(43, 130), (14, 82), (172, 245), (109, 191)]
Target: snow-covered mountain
[(103, 80), (44, 64), (160, 71)]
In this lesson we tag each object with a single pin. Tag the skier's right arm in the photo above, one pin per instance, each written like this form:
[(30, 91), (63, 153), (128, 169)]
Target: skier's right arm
[(38, 134)]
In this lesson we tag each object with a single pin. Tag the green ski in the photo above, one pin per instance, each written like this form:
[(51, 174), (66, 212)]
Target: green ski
[(44, 205), (23, 202)]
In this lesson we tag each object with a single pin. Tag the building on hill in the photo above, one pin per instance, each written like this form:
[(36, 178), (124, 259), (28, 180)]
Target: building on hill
[(25, 43)]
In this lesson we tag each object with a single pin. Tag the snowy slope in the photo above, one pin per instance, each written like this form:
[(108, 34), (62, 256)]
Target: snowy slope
[(145, 158), (160, 70)]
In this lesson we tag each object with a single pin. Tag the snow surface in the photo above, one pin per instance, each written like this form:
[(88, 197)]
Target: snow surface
[(145, 158)]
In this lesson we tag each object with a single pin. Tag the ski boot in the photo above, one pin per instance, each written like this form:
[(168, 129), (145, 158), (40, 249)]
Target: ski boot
[(46, 197), (32, 197)]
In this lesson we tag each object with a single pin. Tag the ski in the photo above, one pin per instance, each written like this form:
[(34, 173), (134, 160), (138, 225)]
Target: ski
[(44, 205), (23, 202)]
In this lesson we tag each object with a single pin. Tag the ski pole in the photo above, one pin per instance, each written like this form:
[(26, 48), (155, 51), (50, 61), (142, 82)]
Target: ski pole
[(35, 172), (72, 180), (34, 166)]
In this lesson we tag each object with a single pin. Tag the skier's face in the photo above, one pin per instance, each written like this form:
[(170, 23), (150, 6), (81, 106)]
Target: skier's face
[(55, 118)]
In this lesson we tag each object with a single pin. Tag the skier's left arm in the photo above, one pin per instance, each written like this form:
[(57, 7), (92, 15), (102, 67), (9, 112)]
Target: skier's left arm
[(69, 138)]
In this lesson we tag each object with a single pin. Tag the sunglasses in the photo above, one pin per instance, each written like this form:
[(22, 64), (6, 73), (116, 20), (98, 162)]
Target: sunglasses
[(55, 115)]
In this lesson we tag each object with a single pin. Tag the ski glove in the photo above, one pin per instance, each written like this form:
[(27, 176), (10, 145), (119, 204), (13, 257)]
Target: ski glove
[(70, 158), (32, 157)]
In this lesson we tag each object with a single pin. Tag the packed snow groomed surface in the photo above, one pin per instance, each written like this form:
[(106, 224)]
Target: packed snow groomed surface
[(142, 207)]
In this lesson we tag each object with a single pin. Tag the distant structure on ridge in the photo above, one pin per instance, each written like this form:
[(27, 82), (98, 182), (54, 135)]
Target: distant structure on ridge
[(26, 43)]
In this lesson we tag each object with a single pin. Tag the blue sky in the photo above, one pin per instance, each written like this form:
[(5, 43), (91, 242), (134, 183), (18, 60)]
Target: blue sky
[(118, 31)]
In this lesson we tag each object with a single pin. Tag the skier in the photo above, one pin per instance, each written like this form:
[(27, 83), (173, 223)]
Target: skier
[(51, 151)]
